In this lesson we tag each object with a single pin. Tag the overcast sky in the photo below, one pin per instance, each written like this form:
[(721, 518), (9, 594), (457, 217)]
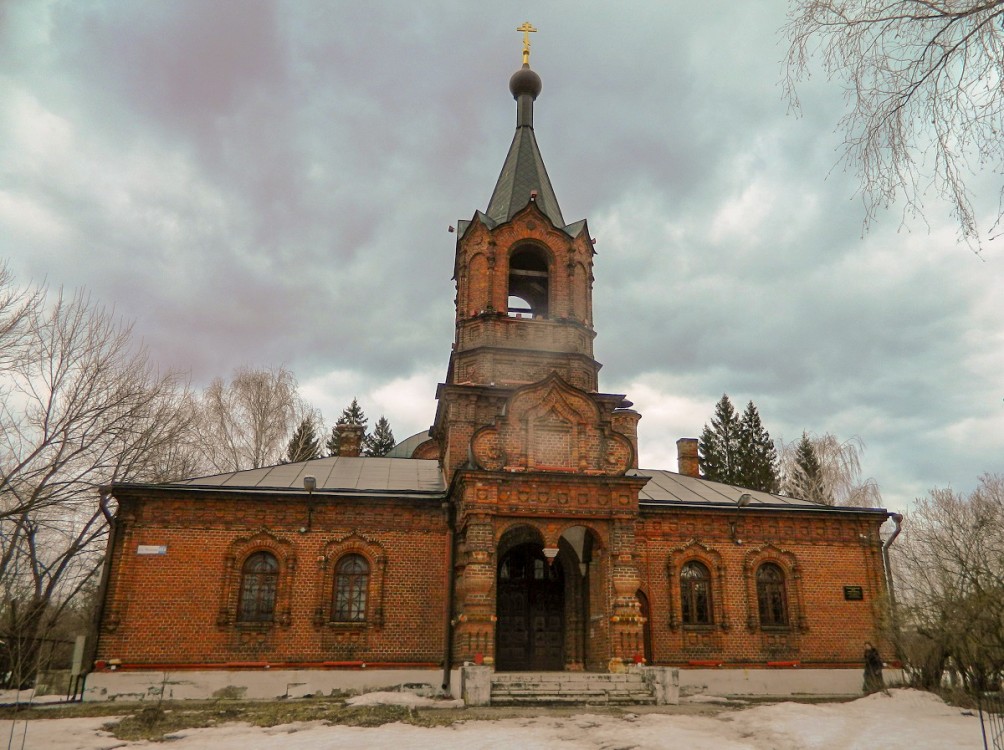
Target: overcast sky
[(271, 183)]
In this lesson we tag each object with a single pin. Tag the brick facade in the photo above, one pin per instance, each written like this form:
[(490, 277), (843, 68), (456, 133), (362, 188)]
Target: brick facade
[(179, 607), (533, 459)]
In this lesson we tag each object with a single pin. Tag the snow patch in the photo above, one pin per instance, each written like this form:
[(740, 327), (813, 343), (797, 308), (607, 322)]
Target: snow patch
[(382, 698)]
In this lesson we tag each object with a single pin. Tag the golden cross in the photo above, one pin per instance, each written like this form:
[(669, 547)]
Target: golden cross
[(527, 29)]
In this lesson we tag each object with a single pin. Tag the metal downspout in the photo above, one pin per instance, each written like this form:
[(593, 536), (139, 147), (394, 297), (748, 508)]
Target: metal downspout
[(115, 529), (450, 587), (897, 518)]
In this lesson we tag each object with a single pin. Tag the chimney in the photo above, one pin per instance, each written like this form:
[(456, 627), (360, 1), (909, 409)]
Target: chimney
[(350, 439), (686, 452)]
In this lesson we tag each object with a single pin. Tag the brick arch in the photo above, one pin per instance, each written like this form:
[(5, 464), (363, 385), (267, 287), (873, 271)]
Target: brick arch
[(529, 243), (598, 535), (428, 450), (240, 550), (788, 562), (532, 402), (327, 562), (516, 533), (578, 276), (712, 560), (475, 266)]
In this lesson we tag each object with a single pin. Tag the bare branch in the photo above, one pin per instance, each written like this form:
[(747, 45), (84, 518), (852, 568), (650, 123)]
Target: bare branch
[(925, 84), (246, 423), (81, 407)]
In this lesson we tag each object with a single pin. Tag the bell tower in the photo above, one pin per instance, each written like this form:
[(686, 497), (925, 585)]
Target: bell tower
[(539, 462), (523, 278)]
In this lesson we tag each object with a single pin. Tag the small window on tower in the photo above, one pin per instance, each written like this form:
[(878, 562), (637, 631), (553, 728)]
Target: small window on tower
[(528, 283)]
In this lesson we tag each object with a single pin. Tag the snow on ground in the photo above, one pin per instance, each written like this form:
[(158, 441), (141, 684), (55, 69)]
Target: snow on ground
[(28, 696), (401, 699), (903, 720)]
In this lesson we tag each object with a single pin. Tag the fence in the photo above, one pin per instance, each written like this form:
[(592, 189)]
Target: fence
[(991, 707)]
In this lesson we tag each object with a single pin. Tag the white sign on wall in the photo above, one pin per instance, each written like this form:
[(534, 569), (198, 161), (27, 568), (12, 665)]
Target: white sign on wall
[(151, 549)]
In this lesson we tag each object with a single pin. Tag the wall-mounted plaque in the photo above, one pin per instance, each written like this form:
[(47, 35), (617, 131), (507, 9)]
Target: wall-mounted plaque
[(151, 549), (854, 593)]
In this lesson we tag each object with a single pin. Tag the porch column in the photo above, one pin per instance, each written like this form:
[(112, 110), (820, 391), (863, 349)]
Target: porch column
[(474, 634), (627, 636)]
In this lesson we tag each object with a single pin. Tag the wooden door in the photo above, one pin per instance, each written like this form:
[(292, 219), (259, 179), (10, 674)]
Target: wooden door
[(530, 632)]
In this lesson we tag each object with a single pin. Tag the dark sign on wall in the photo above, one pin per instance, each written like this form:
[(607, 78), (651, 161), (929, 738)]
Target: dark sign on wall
[(854, 593)]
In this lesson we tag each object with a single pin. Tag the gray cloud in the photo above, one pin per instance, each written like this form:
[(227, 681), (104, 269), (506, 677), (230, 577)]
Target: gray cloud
[(266, 182)]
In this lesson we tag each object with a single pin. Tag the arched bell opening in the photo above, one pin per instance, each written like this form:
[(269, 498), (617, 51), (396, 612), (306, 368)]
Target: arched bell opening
[(529, 283)]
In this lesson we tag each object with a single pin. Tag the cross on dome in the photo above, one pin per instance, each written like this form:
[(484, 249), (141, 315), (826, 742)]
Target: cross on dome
[(527, 29)]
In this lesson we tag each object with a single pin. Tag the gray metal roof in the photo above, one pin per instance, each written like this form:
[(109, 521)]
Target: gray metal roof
[(667, 488), (406, 447), (337, 474), (522, 172)]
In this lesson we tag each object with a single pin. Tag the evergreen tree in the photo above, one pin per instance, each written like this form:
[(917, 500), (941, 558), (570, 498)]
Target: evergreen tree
[(824, 469), (331, 444), (304, 445), (807, 480), (351, 414), (757, 455), (718, 446), (380, 441)]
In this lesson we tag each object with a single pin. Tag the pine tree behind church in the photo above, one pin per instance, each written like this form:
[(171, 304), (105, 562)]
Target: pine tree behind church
[(806, 480), (304, 445), (757, 456), (351, 414), (380, 441), (718, 445), (737, 450)]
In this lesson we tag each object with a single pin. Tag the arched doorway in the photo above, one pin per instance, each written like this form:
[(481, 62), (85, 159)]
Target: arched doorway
[(530, 606), (646, 613)]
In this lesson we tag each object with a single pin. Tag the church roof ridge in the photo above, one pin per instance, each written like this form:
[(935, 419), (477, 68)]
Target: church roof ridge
[(671, 489), (355, 474)]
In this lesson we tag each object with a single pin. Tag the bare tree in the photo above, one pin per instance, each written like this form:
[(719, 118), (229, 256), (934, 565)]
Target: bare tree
[(950, 590), (82, 407), (15, 306), (836, 478), (247, 423), (923, 80)]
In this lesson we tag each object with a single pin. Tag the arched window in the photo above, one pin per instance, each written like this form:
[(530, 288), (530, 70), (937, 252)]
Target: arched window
[(695, 594), (772, 596), (351, 584), (528, 283), (258, 579)]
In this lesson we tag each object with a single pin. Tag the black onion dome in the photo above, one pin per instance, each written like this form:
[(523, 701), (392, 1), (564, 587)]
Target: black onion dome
[(525, 81)]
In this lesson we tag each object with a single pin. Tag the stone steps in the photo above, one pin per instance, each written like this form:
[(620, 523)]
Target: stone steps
[(542, 688)]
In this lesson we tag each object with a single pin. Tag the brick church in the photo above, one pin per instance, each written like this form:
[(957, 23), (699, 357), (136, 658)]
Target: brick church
[(519, 532)]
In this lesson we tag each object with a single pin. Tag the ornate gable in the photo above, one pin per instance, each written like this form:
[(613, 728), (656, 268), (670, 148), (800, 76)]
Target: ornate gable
[(552, 426)]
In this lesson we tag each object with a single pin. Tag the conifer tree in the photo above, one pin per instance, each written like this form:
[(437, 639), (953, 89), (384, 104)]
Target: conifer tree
[(351, 414), (718, 446), (380, 441), (757, 455), (331, 444), (304, 445), (834, 478), (806, 481)]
